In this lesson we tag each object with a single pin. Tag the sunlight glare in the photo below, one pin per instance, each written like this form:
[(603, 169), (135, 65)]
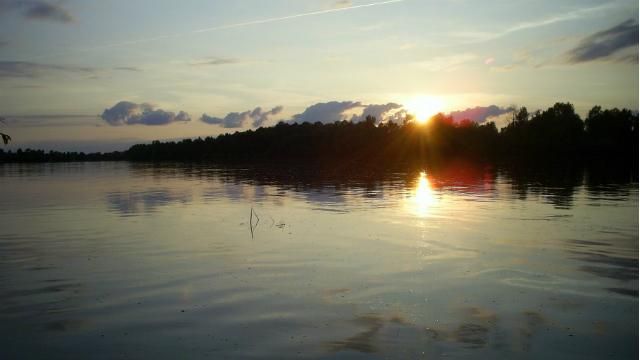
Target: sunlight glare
[(424, 107), (423, 196)]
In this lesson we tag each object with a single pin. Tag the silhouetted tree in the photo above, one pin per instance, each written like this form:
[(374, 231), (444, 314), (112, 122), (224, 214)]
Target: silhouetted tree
[(557, 134), (612, 130)]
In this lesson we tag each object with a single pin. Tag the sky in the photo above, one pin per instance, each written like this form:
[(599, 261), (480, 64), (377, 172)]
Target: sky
[(94, 75)]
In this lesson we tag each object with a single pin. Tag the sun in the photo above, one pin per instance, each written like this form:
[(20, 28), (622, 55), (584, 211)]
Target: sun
[(423, 107)]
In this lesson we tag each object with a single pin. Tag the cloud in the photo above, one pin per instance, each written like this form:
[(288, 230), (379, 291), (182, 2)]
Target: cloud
[(257, 116), (521, 58), (602, 45), (246, 23), (3, 43), (127, 68), (25, 69), (326, 113), (480, 114), (48, 120), (37, 10), (477, 36), (41, 10), (382, 112), (217, 61), (628, 58), (129, 113), (354, 111)]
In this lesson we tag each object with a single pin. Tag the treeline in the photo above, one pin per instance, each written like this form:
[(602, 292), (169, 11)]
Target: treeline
[(30, 155), (557, 133)]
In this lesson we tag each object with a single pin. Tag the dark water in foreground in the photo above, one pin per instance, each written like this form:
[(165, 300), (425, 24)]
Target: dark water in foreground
[(119, 260)]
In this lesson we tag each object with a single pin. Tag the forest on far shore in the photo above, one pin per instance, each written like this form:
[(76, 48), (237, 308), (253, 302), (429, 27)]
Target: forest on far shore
[(557, 133)]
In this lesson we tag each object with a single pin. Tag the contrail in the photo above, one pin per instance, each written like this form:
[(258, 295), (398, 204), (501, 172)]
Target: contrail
[(237, 25), (312, 13)]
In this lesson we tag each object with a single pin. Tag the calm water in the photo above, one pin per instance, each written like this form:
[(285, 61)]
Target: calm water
[(119, 260)]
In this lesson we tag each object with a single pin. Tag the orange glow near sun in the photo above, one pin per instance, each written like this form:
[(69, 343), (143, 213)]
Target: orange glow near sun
[(423, 107)]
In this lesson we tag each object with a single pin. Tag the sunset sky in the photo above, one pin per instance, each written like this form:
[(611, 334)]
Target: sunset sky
[(101, 75)]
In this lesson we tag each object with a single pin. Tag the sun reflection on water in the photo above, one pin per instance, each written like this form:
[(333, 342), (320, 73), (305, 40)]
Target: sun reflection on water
[(423, 197)]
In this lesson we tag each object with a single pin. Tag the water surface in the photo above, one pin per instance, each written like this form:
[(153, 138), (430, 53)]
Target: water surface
[(120, 260)]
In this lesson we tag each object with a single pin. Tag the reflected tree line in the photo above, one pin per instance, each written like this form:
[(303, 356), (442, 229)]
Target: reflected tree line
[(557, 185), (552, 135)]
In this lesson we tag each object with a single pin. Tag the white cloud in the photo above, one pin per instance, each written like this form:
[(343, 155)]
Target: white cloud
[(257, 116), (354, 111)]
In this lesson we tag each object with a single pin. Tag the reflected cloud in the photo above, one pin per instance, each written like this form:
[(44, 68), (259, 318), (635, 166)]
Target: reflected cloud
[(365, 341), (611, 260), (327, 200), (471, 335), (139, 202), (476, 328), (372, 338)]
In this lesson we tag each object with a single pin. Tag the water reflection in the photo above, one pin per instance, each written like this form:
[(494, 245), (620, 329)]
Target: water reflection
[(476, 330), (140, 202), (555, 186), (423, 196), (514, 264)]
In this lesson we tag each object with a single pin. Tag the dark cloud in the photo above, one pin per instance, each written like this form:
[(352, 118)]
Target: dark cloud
[(480, 114), (41, 10), (25, 69), (604, 44), (628, 58), (129, 113), (3, 43), (216, 61), (257, 116), (383, 113), (354, 111), (37, 10)]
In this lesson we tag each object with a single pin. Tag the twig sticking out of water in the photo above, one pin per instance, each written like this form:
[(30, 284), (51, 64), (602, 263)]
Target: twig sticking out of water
[(251, 226), (251, 223)]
